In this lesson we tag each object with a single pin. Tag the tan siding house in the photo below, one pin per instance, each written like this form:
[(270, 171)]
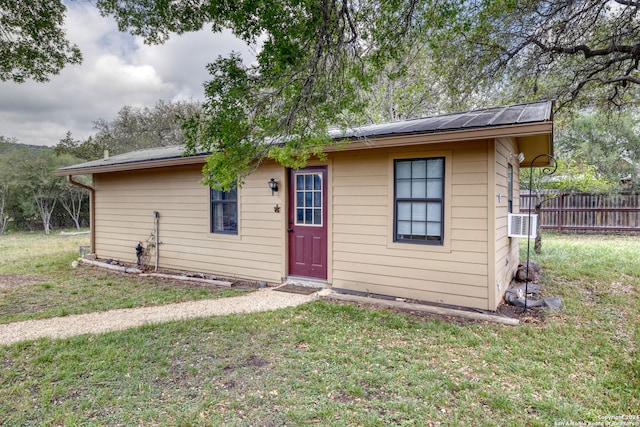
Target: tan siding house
[(415, 209)]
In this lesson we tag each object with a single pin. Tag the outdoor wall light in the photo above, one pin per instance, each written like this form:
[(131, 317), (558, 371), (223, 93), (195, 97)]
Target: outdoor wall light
[(520, 156), (273, 185)]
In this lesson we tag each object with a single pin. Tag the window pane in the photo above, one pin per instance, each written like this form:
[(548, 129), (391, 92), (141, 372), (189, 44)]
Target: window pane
[(404, 228), (308, 199), (419, 169), (225, 217), (434, 229), (217, 214), (403, 189), (419, 212), (299, 182), (436, 168), (403, 170), (224, 211), (434, 212), (317, 182), (317, 216), (308, 216), (418, 188), (404, 211), (299, 216), (419, 228), (300, 199), (230, 217), (317, 199), (308, 183), (434, 189)]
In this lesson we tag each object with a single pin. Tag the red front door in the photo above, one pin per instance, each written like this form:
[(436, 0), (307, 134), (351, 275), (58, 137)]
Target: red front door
[(308, 223)]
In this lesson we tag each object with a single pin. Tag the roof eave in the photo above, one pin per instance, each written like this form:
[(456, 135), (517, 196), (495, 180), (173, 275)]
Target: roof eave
[(392, 140), (136, 165)]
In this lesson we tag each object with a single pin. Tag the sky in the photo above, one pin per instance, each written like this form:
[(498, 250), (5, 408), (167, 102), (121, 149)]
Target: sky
[(117, 70)]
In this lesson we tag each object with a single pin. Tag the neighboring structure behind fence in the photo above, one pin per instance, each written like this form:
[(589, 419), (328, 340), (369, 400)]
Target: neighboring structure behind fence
[(586, 213)]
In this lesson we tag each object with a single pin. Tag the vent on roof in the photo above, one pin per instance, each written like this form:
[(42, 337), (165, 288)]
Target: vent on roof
[(522, 225)]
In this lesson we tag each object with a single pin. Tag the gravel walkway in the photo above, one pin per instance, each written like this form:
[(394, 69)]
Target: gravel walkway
[(113, 320)]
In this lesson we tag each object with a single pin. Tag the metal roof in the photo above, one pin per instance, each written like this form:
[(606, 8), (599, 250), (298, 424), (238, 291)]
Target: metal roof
[(535, 112), (139, 156), (529, 113)]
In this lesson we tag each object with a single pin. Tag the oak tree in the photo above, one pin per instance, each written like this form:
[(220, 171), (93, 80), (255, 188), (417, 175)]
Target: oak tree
[(33, 42)]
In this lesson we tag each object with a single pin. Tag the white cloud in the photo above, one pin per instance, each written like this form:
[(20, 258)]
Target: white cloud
[(118, 69)]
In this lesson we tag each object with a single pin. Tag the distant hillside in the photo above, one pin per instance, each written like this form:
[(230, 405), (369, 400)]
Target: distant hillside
[(6, 146)]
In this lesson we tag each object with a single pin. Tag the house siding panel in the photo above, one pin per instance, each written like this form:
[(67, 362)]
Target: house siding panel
[(506, 248), (366, 259), (125, 202)]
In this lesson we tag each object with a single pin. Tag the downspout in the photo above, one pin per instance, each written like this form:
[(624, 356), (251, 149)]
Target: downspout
[(92, 210)]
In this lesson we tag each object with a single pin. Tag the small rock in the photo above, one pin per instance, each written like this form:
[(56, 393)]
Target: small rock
[(534, 272), (553, 303)]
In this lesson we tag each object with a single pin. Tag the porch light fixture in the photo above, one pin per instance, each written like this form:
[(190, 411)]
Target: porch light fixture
[(273, 185), (519, 156)]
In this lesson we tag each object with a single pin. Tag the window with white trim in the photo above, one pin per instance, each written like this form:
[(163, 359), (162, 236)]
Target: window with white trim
[(224, 211), (308, 189), (419, 200)]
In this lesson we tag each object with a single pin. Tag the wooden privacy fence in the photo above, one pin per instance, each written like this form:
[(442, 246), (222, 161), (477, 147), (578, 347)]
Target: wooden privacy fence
[(586, 213)]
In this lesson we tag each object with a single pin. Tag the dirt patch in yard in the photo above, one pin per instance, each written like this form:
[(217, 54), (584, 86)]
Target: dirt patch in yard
[(10, 281), (532, 315), (95, 271)]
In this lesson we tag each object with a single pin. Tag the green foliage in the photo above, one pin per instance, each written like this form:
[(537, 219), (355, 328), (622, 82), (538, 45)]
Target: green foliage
[(88, 149), (579, 52), (33, 43), (133, 129), (611, 144), (570, 176), (316, 62), (29, 193), (340, 63)]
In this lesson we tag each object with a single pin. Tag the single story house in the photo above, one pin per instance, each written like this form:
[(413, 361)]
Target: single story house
[(413, 209)]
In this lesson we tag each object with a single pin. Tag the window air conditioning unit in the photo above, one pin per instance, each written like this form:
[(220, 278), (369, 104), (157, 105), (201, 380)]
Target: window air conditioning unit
[(522, 225)]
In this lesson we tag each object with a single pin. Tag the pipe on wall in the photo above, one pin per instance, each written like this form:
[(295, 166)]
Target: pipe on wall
[(156, 216), (92, 210)]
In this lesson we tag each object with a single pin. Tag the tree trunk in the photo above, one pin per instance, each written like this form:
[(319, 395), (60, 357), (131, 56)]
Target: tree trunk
[(46, 210), (537, 247), (3, 216), (72, 204)]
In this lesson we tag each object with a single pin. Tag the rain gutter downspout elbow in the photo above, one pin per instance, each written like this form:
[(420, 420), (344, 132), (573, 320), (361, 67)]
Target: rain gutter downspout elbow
[(92, 210)]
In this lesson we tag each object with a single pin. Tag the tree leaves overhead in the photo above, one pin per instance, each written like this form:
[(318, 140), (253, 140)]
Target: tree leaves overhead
[(582, 52), (323, 63), (33, 44), (316, 62)]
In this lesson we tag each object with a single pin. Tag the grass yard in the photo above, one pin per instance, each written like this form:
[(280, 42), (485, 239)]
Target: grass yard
[(37, 281), (327, 364)]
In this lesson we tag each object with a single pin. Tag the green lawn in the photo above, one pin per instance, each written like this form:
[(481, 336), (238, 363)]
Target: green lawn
[(55, 289), (327, 364)]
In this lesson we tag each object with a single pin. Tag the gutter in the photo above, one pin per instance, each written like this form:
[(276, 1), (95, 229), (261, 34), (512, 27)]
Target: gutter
[(92, 210)]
